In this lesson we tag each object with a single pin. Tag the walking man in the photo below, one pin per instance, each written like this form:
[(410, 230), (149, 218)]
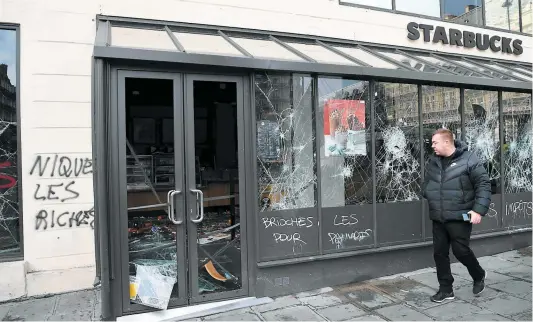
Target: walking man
[(458, 191)]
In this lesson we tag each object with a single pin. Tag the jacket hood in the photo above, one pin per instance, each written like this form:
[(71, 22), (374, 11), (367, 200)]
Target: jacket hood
[(460, 147)]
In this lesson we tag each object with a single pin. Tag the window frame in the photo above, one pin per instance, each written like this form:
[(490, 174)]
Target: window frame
[(20, 255), (483, 24)]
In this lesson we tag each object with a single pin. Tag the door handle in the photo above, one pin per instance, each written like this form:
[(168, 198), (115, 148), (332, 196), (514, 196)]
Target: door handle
[(171, 206), (201, 216)]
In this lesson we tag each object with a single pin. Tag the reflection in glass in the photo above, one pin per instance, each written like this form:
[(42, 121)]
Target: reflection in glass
[(426, 7), (285, 141), (518, 140), (482, 131), (150, 175), (397, 142), (345, 152), (386, 4), (440, 109), (10, 230), (527, 16), (502, 14), (463, 11)]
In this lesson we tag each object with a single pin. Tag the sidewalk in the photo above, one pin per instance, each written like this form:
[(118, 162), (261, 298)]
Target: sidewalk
[(403, 297)]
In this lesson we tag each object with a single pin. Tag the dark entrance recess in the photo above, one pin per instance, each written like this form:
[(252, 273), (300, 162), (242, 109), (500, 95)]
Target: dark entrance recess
[(182, 182)]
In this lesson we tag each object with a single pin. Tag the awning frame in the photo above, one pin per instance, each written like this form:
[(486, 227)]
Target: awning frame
[(405, 73)]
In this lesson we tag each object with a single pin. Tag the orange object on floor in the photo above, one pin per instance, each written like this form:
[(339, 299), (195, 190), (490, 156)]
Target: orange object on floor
[(210, 268)]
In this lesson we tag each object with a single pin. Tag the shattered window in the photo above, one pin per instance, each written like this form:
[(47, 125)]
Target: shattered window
[(518, 142), (10, 230), (440, 109), (397, 142), (285, 141), (345, 151), (482, 131)]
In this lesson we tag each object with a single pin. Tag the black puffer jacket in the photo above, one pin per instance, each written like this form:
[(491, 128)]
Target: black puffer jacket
[(463, 186)]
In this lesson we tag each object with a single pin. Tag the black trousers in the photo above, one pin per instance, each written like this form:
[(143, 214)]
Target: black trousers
[(456, 234)]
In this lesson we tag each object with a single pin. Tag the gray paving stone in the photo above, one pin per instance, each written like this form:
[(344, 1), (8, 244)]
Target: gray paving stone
[(295, 313), (396, 285), (4, 309), (402, 312), (506, 305), (465, 293), (494, 277), (520, 271), (495, 263), (341, 312), (278, 303), (516, 257), (481, 317), (430, 279), (523, 317), (452, 310), (527, 297), (368, 318), (236, 315), (321, 300), (514, 287), (76, 306), (314, 292), (370, 298), (417, 297), (31, 310), (459, 270)]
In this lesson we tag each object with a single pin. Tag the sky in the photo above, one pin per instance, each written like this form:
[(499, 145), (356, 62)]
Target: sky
[(8, 53)]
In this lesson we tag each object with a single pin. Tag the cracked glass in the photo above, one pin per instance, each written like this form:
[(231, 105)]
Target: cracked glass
[(397, 142), (482, 131), (440, 109), (285, 141), (10, 230), (518, 142), (345, 151)]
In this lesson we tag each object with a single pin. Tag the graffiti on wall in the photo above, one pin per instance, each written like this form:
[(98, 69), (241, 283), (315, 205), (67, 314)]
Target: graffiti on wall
[(63, 189)]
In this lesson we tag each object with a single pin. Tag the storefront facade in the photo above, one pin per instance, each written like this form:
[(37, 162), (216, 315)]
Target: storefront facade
[(194, 152)]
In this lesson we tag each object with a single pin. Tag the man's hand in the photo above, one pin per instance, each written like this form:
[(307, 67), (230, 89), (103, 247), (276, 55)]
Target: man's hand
[(475, 218)]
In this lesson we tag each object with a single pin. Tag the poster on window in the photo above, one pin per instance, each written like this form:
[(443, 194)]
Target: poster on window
[(344, 127)]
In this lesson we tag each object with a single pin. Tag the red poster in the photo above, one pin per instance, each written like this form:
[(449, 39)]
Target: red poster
[(343, 115)]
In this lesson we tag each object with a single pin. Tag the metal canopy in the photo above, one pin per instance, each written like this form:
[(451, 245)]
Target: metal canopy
[(135, 39)]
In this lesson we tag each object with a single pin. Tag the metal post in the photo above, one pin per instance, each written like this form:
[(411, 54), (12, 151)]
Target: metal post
[(318, 128), (371, 93), (502, 156), (422, 161), (462, 107)]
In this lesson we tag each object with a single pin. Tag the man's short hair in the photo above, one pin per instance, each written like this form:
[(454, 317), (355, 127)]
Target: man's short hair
[(447, 134)]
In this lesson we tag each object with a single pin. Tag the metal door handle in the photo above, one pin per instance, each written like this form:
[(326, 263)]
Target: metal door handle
[(171, 207), (201, 216)]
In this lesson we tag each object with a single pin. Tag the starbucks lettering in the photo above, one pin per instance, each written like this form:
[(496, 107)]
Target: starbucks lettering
[(467, 39)]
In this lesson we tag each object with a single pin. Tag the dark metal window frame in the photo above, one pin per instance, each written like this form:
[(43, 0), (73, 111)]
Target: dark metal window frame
[(441, 18), (102, 51), (20, 255)]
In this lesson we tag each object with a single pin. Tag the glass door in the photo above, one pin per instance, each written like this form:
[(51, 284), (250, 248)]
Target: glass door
[(152, 181), (214, 161)]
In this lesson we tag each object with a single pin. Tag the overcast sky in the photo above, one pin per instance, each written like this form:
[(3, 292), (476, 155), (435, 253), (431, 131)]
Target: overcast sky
[(8, 53)]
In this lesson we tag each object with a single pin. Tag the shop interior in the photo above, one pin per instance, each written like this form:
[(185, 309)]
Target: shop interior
[(151, 174)]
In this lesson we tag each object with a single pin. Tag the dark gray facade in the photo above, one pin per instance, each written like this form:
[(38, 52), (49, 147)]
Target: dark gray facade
[(335, 196)]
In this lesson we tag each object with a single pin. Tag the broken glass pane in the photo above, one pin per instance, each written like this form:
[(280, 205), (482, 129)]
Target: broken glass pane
[(345, 151), (518, 142), (482, 131), (397, 142), (440, 109), (10, 230), (285, 141)]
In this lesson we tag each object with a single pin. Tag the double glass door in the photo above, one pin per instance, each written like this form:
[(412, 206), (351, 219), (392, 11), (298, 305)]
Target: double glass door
[(181, 155)]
